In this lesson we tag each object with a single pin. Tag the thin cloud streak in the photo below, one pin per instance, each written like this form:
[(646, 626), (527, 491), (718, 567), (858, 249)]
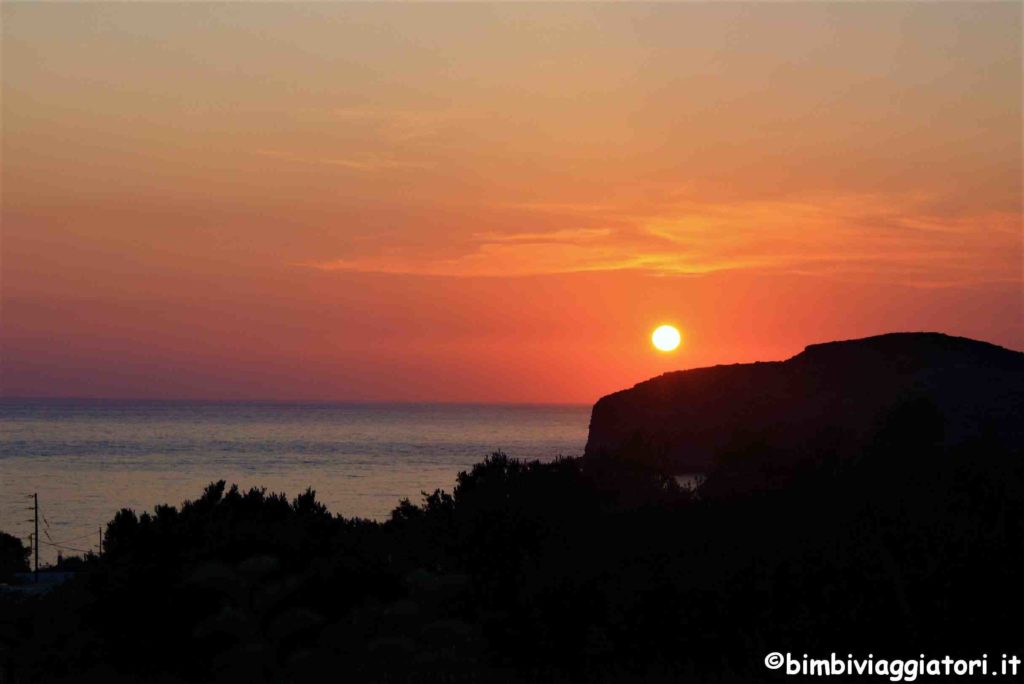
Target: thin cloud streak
[(888, 239), (397, 126), (367, 164)]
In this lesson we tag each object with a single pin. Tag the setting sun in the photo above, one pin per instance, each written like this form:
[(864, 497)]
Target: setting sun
[(665, 338), (305, 262)]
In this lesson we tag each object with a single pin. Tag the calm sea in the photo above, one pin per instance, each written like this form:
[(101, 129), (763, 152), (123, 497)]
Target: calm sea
[(87, 459)]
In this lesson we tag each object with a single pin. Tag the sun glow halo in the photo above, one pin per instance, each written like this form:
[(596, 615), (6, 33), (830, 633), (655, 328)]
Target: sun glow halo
[(665, 338)]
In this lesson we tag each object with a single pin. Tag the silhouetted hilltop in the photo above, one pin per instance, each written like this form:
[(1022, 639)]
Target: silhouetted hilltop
[(598, 569), (835, 397)]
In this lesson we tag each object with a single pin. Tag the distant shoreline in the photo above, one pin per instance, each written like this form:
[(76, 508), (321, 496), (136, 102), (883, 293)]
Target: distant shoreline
[(290, 402)]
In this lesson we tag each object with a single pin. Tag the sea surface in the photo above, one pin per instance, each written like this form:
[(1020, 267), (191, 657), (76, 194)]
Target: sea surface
[(86, 459)]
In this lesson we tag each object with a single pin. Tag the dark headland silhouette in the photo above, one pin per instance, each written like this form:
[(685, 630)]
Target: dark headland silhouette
[(834, 396), (864, 497)]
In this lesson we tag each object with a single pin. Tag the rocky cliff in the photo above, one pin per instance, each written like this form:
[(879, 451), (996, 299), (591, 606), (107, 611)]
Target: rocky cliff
[(831, 397)]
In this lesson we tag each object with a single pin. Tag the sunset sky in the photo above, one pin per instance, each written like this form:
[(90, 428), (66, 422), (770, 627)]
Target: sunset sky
[(475, 202)]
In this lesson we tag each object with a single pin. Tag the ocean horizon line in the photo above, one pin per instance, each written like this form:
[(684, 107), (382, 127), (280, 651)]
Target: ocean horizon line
[(289, 402)]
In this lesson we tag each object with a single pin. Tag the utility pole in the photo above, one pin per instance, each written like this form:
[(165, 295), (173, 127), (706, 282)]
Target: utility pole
[(100, 547), (35, 497)]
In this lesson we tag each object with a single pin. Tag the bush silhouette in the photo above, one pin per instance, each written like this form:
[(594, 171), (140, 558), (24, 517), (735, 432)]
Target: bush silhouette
[(597, 569), (13, 557)]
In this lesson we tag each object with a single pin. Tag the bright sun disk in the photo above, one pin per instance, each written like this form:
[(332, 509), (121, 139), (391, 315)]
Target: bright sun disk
[(665, 338)]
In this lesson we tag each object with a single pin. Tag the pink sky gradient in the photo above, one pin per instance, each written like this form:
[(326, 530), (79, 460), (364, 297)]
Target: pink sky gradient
[(494, 202)]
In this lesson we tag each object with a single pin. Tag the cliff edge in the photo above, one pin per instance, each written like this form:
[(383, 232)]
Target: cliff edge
[(832, 396)]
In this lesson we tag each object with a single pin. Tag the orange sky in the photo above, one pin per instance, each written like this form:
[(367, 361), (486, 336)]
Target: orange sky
[(494, 202)]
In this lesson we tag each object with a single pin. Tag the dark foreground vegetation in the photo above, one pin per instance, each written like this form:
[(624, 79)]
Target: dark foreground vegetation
[(595, 570)]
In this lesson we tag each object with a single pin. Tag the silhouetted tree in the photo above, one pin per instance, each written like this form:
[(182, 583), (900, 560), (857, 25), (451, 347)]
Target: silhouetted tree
[(598, 570), (13, 556)]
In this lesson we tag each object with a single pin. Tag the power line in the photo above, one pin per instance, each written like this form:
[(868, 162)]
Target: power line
[(81, 536), (35, 541), (68, 548), (69, 529)]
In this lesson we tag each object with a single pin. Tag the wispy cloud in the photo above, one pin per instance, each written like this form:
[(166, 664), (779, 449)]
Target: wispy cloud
[(891, 239), (568, 235), (395, 126), (527, 259), (366, 164)]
